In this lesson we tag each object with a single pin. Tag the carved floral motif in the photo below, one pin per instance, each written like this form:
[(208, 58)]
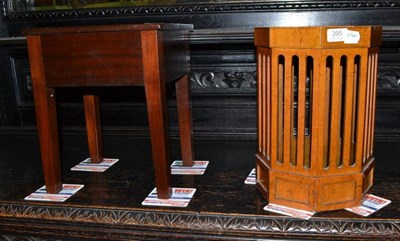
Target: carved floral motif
[(388, 80), (199, 222), (223, 79)]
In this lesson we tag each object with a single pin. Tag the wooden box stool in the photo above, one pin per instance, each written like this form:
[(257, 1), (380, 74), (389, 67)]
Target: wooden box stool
[(316, 114), (113, 55)]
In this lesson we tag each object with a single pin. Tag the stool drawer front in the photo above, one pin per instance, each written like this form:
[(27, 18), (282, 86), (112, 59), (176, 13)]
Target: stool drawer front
[(92, 59)]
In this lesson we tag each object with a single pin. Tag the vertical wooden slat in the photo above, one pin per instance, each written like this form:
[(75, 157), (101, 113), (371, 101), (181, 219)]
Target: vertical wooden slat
[(348, 112), (371, 105), (375, 76), (324, 117), (268, 104), (260, 131), (335, 109), (368, 110), (265, 111), (301, 110), (288, 111), (317, 91), (371, 113), (361, 106), (274, 109)]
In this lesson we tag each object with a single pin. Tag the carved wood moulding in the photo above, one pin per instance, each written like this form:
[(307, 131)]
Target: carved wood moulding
[(199, 8), (229, 79), (197, 222), (389, 81)]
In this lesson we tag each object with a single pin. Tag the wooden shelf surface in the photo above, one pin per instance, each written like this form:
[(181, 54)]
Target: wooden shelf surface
[(223, 208)]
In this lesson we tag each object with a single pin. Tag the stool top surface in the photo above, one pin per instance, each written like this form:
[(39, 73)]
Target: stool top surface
[(108, 28), (107, 55)]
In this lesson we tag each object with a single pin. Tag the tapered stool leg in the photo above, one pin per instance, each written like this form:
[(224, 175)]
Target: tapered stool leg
[(185, 121), (93, 127), (157, 111), (46, 117), (48, 136)]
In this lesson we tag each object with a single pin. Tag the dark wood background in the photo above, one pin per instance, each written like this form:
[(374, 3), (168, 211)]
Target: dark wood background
[(222, 64)]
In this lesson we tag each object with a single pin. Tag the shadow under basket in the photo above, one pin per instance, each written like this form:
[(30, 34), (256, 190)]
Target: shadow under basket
[(316, 114)]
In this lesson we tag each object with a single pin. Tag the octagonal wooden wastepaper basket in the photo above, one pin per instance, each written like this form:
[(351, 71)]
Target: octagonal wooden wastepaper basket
[(316, 114)]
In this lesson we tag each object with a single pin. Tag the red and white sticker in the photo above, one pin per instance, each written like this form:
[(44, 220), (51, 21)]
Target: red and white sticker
[(296, 213), (251, 178), (180, 198), (198, 168), (370, 204), (67, 191), (87, 166)]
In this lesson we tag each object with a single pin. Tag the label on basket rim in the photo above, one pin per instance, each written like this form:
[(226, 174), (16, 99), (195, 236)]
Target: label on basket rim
[(342, 35)]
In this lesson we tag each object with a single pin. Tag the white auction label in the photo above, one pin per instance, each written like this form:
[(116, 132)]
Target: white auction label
[(352, 37), (67, 191), (198, 168), (370, 204), (342, 35), (180, 198), (336, 34), (293, 212), (251, 178), (88, 166)]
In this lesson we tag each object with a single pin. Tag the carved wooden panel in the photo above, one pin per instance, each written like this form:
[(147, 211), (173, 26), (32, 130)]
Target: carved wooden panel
[(254, 226), (200, 8), (222, 74)]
